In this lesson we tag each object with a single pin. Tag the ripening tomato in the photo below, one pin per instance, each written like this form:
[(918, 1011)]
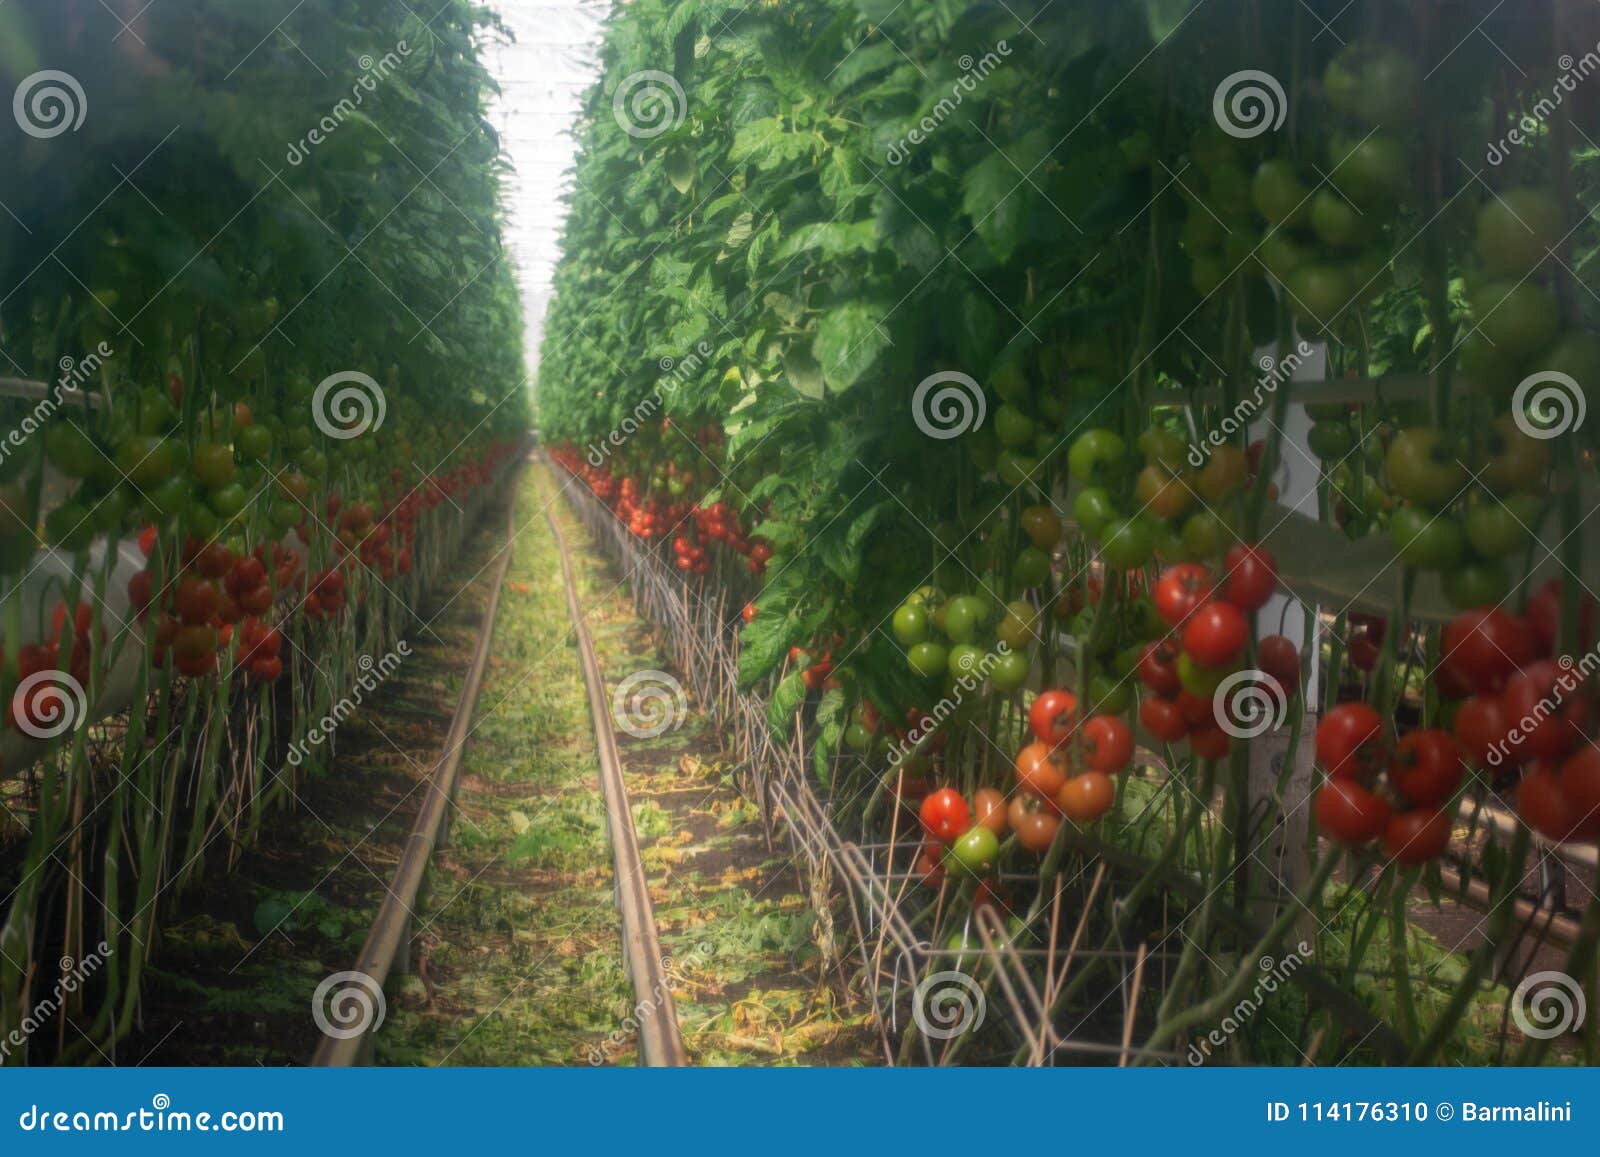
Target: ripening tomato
[(1416, 836), (1107, 743), (989, 810), (1250, 575), (1209, 741), (1544, 701), (1181, 590), (1426, 767), (1163, 719), (196, 601), (1483, 647), (1085, 798), (1216, 634), (1040, 770), (1350, 741), (194, 650), (1034, 822), (1580, 784), (1053, 716), (1042, 526), (945, 815), (1349, 813), (1544, 617), (1280, 658)]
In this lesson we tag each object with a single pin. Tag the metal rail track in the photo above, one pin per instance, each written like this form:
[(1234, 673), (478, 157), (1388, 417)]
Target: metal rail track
[(660, 1042), (387, 947)]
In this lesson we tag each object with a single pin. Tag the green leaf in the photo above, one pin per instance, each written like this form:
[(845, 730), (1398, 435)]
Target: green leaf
[(802, 372), (848, 342), (832, 717), (786, 699), (679, 164)]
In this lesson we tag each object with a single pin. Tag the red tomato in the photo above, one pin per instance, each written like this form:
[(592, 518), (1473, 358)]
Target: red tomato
[(1363, 651), (945, 815), (1216, 634), (1580, 784), (1544, 807), (1416, 836), (194, 650), (1053, 717), (196, 601), (1197, 710), (1483, 647), (140, 591), (1350, 741), (1181, 590), (1208, 741), (1349, 813), (1163, 719), (1040, 770), (1250, 575), (1544, 617), (1545, 705), (1087, 797), (1280, 658), (1107, 743), (1426, 767), (1482, 727), (1158, 669), (749, 613)]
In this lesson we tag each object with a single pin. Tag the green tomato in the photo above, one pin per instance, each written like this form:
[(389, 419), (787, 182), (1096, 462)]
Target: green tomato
[(1336, 222), (1015, 469), (975, 851), (1318, 293), (1128, 543), (1517, 319), (964, 659), (155, 412), (1017, 624), (112, 509), (1424, 467), (170, 496), (1516, 230), (928, 660), (147, 460), (1497, 528), (1279, 194), (71, 451), (1477, 584), (1097, 457), (1010, 671), (1032, 567), (858, 738), (1161, 446), (1203, 534), (1331, 441), (1093, 508), (1280, 255), (229, 500), (910, 624), (1426, 540), (1372, 171), (70, 526), (1198, 680), (212, 464), (1012, 426), (1110, 696)]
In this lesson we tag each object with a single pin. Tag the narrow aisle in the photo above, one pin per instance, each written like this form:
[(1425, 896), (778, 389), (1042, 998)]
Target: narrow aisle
[(735, 918)]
